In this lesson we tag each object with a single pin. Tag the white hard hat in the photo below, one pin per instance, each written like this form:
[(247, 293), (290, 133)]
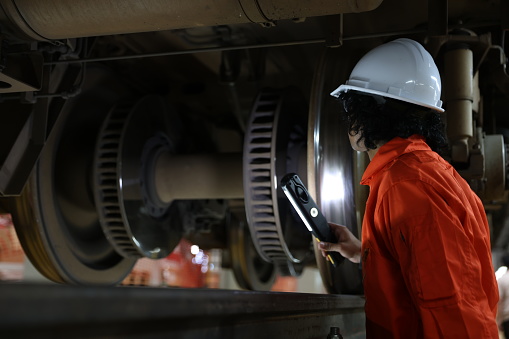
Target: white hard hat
[(401, 69)]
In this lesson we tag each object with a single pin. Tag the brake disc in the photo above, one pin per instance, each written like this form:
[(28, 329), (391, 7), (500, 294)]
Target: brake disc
[(132, 216), (275, 144), (250, 270)]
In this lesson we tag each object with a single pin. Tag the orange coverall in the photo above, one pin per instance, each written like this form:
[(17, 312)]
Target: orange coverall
[(425, 249)]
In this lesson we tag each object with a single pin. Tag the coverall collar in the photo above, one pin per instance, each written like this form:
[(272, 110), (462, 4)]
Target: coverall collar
[(390, 151)]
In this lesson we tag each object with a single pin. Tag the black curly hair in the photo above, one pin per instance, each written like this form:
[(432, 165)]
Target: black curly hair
[(379, 119)]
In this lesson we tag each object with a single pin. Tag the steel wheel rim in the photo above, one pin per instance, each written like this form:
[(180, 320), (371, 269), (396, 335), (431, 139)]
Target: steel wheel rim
[(334, 170)]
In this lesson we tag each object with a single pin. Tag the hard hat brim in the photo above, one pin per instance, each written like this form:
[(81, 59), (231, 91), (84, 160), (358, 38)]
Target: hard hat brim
[(346, 88)]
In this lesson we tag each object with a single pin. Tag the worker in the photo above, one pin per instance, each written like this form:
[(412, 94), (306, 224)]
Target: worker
[(425, 243)]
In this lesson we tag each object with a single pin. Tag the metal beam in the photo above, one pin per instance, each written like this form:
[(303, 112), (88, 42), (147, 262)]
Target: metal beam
[(63, 311)]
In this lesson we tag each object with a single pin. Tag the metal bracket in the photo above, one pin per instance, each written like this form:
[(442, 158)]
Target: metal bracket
[(21, 72), (19, 154), (334, 24), (254, 13)]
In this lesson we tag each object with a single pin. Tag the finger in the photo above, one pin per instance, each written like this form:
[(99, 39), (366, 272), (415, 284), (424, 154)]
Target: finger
[(338, 230), (336, 226), (324, 254), (324, 246)]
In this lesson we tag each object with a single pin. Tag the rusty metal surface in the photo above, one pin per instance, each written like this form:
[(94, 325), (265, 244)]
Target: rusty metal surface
[(50, 19), (57, 311), (286, 9)]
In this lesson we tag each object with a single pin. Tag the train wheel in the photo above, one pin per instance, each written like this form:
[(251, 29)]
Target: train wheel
[(250, 270), (334, 169), (55, 217)]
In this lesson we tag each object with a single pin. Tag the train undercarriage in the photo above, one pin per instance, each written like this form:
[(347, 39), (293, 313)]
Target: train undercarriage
[(130, 125)]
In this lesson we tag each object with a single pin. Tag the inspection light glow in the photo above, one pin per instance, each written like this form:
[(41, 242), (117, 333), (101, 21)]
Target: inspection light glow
[(333, 187)]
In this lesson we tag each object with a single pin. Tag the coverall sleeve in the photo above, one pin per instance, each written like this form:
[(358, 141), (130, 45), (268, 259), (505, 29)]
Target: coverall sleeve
[(432, 239)]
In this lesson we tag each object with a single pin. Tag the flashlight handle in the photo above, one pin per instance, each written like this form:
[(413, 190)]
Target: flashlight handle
[(309, 213)]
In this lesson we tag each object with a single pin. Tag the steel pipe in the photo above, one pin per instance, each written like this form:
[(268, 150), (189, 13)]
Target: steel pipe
[(459, 99), (60, 19)]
